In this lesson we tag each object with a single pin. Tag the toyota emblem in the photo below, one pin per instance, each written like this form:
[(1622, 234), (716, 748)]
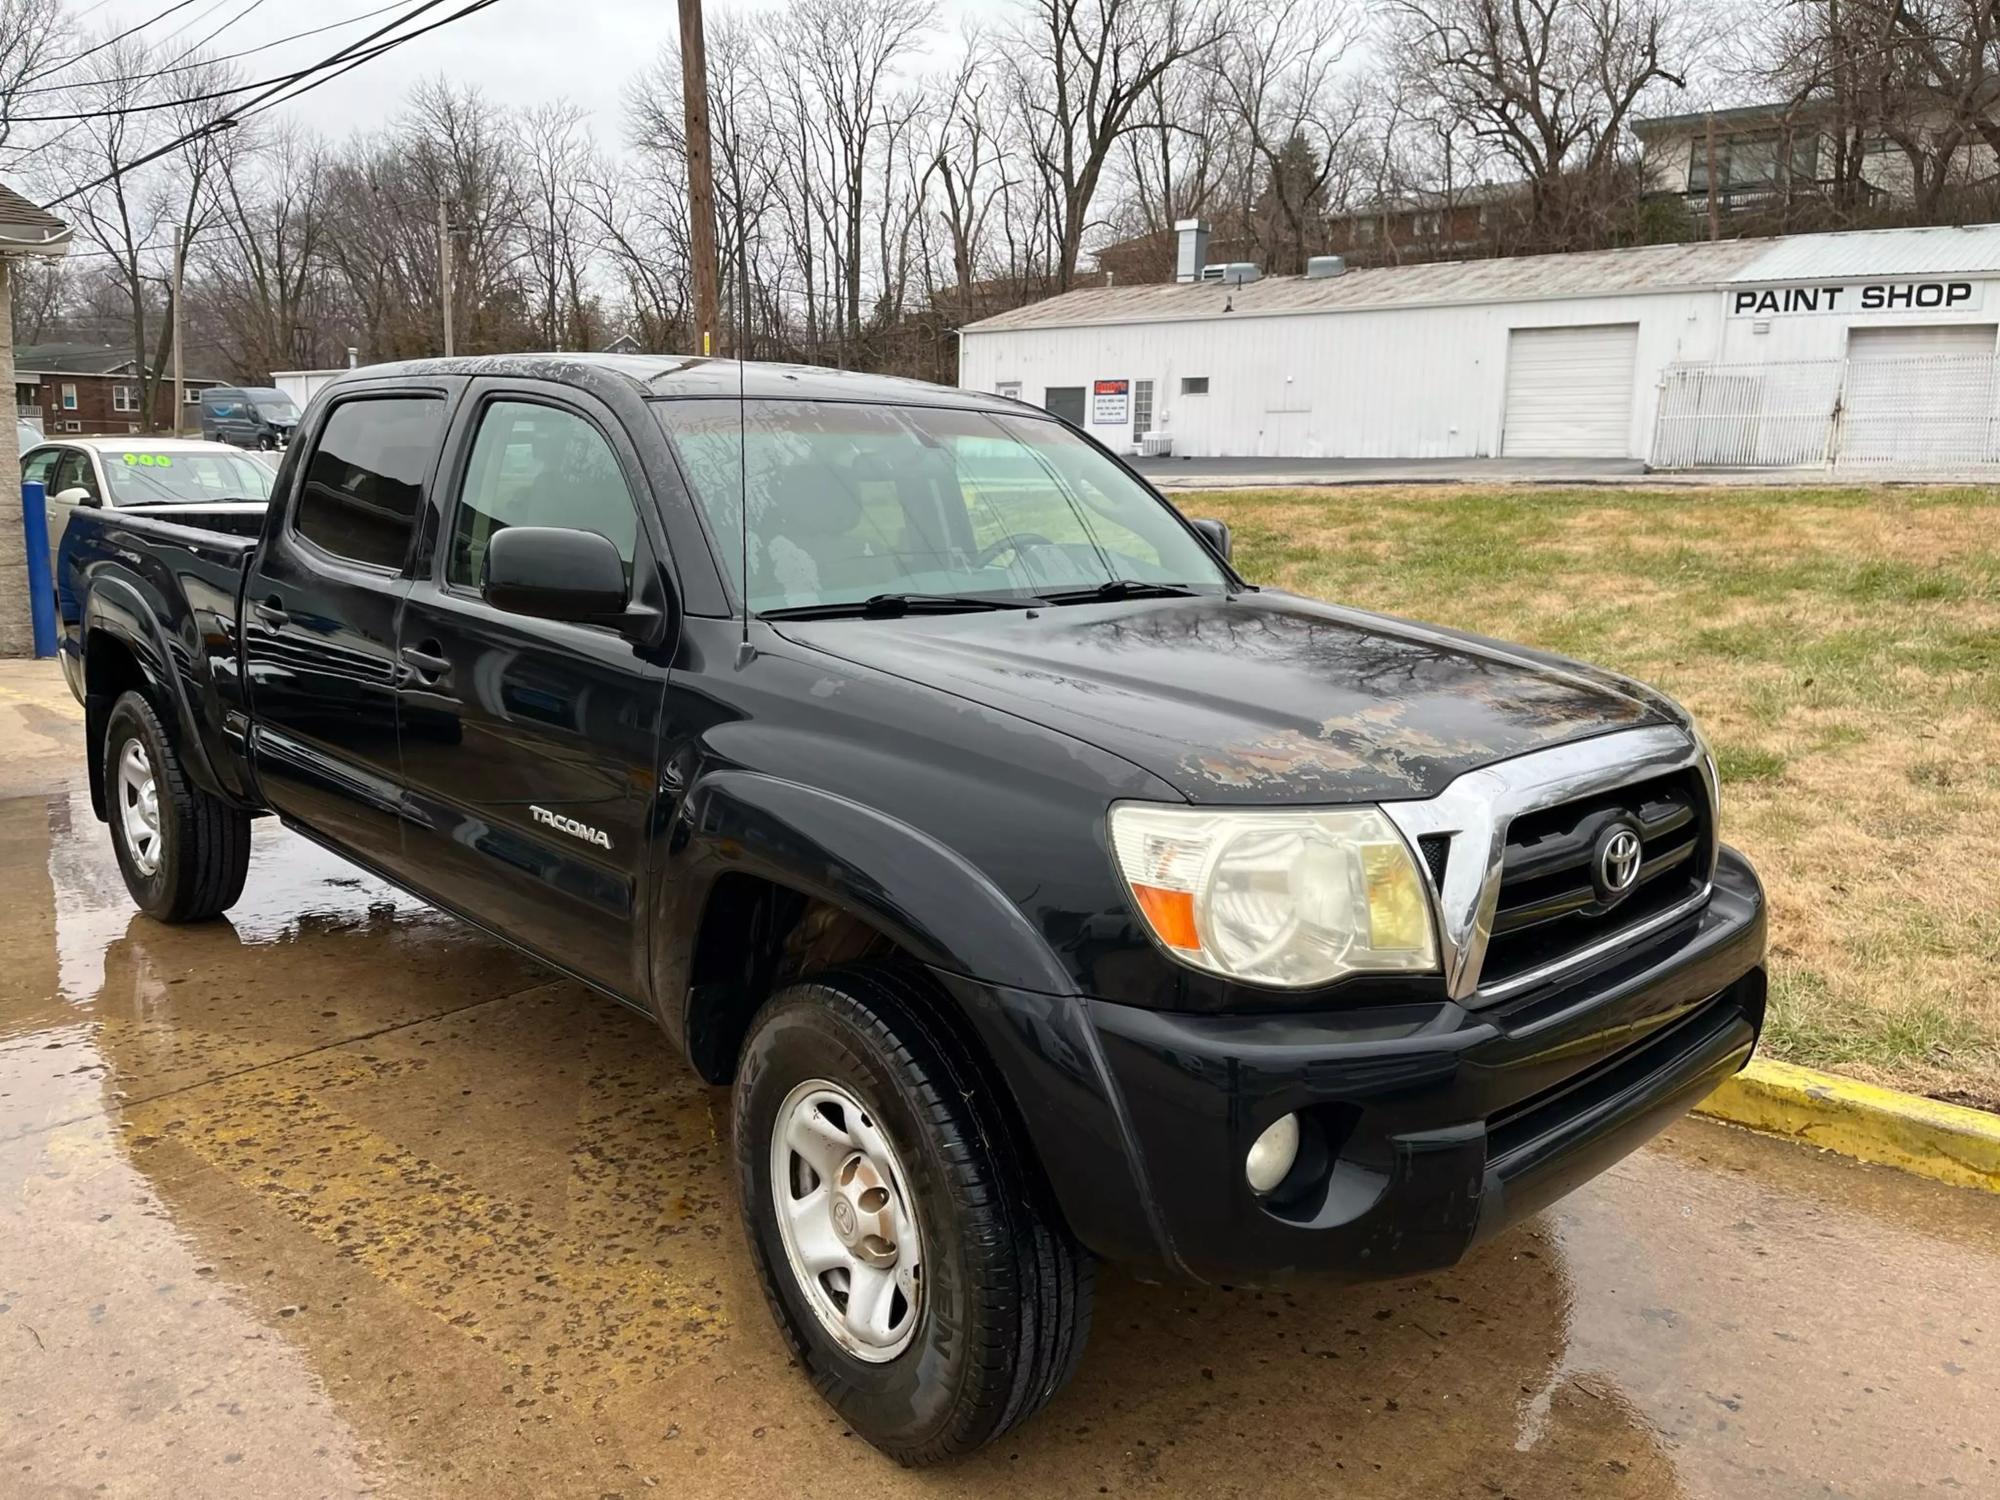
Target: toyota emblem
[(1617, 861)]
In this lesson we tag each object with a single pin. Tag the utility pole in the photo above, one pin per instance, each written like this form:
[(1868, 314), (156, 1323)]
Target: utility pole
[(180, 268), (701, 176), (444, 268)]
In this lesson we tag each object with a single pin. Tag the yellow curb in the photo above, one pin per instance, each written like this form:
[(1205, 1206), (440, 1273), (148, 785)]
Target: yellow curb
[(1947, 1142)]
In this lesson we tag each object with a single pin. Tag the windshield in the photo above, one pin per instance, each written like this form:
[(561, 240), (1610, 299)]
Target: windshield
[(277, 408), (138, 476), (849, 501)]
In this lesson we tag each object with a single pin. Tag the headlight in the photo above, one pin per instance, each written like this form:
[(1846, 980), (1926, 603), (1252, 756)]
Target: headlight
[(1283, 898)]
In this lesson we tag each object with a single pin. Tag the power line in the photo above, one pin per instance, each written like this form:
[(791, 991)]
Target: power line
[(276, 95), (110, 41), (256, 108), (206, 62), (179, 58)]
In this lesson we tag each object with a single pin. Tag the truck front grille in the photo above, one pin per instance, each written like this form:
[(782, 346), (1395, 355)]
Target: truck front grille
[(1549, 904)]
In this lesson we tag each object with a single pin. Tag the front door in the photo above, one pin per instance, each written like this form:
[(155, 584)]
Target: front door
[(319, 622), (529, 746)]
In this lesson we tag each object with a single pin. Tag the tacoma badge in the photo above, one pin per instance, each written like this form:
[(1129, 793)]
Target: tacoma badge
[(571, 827)]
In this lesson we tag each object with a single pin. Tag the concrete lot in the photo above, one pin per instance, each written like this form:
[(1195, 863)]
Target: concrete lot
[(336, 1198)]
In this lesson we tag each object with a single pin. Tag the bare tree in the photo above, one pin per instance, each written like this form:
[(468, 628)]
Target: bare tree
[(1081, 69), (1550, 84), (1277, 71), (552, 145), (31, 32), (262, 280)]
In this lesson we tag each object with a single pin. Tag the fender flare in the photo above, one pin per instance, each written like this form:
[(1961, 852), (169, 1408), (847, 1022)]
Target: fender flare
[(117, 609), (929, 899)]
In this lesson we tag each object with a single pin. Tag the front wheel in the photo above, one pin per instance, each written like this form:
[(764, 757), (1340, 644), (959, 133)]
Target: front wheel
[(184, 853), (905, 1242)]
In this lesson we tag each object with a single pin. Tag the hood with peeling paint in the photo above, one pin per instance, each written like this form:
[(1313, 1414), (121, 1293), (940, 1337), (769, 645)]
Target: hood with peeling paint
[(1261, 698)]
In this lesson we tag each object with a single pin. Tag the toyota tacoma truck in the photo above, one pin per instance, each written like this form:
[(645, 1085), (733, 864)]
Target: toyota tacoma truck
[(1045, 890)]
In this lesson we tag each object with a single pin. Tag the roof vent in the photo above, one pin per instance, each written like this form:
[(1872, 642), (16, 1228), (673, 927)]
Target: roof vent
[(1321, 267), (1193, 250), (1232, 272)]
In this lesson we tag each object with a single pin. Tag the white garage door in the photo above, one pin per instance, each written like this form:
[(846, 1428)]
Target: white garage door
[(1569, 391), (1919, 393)]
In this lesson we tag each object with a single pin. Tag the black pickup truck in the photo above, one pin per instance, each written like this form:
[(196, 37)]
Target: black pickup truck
[(1046, 890)]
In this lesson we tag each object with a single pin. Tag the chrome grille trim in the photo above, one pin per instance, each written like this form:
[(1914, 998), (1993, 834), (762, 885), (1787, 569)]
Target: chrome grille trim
[(1476, 811)]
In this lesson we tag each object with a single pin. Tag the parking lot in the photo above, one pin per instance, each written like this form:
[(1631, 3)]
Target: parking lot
[(335, 1197)]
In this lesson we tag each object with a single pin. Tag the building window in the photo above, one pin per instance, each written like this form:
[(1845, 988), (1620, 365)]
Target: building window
[(1142, 409), (1011, 389), (190, 397), (1194, 385), (124, 398), (1752, 161), (72, 425), (68, 397)]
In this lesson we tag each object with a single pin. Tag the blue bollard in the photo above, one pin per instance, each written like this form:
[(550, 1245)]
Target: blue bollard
[(41, 585)]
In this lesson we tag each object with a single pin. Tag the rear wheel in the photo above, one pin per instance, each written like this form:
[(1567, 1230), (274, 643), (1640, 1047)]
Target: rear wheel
[(184, 853), (905, 1243)]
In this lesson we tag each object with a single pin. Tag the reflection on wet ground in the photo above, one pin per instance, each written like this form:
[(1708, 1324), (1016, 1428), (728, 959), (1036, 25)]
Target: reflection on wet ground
[(339, 1198)]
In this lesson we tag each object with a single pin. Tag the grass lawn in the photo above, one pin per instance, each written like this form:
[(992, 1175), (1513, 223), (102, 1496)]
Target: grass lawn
[(1841, 648)]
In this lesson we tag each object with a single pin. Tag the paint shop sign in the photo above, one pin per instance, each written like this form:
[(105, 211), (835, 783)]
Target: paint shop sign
[(1875, 297)]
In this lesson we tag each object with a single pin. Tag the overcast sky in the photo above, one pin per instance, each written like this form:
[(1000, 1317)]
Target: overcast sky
[(519, 51)]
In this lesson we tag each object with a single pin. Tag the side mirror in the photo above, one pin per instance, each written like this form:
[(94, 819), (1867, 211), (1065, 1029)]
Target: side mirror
[(555, 573), (1216, 535), (76, 494)]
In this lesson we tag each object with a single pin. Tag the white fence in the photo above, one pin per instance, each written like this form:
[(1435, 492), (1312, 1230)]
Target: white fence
[(1928, 412)]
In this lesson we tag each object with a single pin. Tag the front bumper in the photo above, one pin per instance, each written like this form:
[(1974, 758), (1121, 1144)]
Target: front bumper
[(1434, 1125)]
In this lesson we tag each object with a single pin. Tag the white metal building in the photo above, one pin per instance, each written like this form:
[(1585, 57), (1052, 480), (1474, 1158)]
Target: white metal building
[(1805, 349)]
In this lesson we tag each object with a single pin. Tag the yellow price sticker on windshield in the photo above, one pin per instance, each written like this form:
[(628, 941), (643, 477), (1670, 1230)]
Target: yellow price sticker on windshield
[(148, 461)]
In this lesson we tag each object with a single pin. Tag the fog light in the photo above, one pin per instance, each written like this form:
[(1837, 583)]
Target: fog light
[(1273, 1154)]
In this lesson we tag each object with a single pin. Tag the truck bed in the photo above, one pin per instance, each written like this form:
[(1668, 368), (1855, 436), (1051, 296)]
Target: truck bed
[(169, 580)]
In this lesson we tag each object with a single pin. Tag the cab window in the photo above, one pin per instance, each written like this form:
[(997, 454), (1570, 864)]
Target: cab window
[(365, 482), (39, 468), (535, 465)]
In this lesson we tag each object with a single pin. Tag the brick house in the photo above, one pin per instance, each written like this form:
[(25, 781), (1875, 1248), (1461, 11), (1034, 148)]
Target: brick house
[(96, 388)]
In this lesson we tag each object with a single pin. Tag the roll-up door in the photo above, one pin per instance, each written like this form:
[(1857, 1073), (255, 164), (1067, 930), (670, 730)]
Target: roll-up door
[(1569, 391)]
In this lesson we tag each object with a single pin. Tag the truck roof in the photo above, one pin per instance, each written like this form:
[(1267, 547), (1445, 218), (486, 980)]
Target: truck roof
[(693, 375)]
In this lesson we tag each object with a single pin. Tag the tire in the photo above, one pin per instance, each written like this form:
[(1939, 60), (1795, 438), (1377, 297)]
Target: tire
[(1003, 1291), (192, 865)]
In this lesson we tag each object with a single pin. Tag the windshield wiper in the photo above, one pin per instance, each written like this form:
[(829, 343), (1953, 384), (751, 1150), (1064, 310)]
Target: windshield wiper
[(888, 606), (1119, 588)]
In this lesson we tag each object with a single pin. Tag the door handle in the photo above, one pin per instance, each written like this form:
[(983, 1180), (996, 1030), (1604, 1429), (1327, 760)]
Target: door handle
[(427, 665), (272, 613)]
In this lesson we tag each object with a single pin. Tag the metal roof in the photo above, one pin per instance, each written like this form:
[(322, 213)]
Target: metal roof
[(1592, 273), (1860, 253)]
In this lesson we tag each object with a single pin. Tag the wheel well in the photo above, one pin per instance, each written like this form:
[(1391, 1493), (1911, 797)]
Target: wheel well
[(756, 936), (110, 669)]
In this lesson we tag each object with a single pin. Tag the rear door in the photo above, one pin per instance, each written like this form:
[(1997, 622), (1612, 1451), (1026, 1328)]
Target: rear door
[(529, 746), (319, 618)]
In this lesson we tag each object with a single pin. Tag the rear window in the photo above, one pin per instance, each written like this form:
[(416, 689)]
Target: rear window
[(365, 482), (146, 476)]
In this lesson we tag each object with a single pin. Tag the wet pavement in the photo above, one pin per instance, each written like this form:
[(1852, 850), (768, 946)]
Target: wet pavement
[(337, 1198)]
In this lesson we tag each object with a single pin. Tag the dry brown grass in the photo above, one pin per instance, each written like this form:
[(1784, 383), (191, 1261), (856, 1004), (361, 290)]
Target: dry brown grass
[(1842, 649)]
